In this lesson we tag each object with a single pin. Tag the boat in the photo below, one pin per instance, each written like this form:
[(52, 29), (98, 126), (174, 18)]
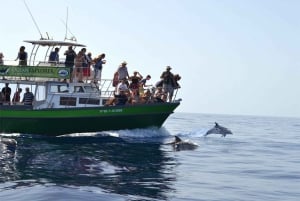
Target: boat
[(60, 107)]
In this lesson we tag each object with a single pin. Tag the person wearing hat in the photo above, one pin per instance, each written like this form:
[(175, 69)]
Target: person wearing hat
[(123, 72), (168, 84)]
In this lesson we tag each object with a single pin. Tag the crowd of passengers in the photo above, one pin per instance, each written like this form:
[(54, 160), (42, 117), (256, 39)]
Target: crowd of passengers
[(128, 89), (134, 90)]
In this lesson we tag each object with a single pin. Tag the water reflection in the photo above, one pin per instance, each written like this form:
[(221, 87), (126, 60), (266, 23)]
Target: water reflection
[(110, 163), (7, 159)]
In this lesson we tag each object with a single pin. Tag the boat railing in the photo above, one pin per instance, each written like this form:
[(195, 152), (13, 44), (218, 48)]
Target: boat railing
[(9, 62), (106, 88), (52, 64)]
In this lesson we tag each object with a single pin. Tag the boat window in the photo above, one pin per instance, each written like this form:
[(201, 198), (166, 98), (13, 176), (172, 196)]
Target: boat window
[(63, 88), (90, 89), (40, 93), (53, 89), (70, 101), (59, 89), (90, 101), (78, 89)]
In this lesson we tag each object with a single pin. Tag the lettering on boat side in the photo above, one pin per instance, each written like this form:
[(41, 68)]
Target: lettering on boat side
[(32, 70), (111, 110), (35, 71)]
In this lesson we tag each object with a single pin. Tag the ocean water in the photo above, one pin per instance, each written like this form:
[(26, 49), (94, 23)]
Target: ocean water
[(260, 161)]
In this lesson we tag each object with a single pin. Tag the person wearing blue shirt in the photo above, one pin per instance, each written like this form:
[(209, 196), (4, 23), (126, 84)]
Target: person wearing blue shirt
[(54, 56), (98, 67)]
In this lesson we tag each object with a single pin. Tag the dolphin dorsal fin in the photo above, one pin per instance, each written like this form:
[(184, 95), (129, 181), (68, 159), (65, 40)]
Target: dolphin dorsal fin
[(177, 139)]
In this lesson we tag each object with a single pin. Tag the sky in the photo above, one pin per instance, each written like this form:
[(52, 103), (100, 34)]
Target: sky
[(237, 57)]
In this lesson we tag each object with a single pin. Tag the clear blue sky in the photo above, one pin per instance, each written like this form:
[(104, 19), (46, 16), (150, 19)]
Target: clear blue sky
[(234, 56)]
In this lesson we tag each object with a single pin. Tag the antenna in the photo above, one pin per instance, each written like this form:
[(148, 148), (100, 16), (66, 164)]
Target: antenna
[(72, 38), (33, 20), (67, 23)]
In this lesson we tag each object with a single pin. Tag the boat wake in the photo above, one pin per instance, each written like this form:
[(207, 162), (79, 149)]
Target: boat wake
[(193, 134), (132, 133), (151, 135), (144, 133)]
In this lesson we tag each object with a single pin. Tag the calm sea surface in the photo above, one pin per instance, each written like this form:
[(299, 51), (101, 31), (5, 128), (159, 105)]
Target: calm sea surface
[(260, 161)]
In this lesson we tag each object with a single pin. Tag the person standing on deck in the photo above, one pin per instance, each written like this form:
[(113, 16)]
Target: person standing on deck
[(143, 81), (85, 65), (142, 84), (28, 97), (2, 98), (6, 92), (17, 96), (168, 84), (1, 58), (87, 70), (22, 56), (54, 56), (134, 83), (79, 62), (99, 61), (123, 72), (70, 58), (2, 62)]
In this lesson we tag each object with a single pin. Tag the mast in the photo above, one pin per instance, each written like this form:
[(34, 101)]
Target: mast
[(36, 25)]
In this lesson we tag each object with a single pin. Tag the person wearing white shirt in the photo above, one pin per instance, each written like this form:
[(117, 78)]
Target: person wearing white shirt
[(122, 86)]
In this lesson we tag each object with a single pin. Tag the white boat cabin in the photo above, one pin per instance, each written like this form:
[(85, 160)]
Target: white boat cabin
[(68, 95), (56, 94)]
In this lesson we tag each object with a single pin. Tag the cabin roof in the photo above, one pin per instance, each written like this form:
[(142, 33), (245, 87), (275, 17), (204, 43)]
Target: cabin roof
[(53, 43)]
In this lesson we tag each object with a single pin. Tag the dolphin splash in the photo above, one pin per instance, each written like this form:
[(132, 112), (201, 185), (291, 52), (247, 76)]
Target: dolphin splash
[(217, 129)]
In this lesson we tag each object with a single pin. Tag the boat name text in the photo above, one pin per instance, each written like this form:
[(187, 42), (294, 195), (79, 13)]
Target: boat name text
[(111, 110)]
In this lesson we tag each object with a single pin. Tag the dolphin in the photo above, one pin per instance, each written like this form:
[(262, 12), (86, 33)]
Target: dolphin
[(217, 129), (179, 144)]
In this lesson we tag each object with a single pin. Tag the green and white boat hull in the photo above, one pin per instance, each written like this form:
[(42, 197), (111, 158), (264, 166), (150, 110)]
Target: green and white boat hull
[(54, 122)]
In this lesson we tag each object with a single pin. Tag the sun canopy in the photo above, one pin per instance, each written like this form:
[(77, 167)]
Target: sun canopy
[(53, 43)]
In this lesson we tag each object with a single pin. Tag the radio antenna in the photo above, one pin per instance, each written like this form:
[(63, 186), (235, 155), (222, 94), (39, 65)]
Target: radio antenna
[(72, 38), (33, 20), (67, 23)]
